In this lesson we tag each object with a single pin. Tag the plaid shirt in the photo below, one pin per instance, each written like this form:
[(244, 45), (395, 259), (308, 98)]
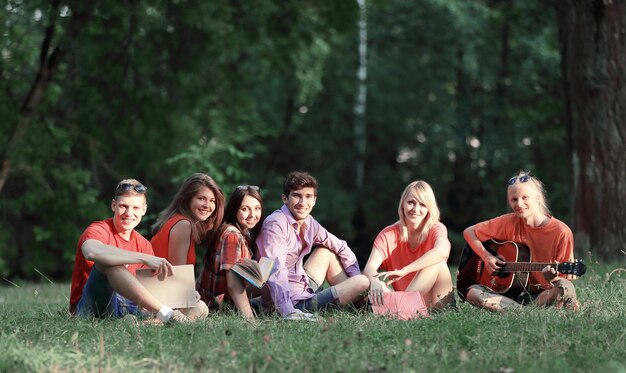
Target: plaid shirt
[(231, 247)]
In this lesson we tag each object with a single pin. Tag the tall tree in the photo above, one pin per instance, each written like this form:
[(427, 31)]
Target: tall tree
[(593, 48), (360, 126)]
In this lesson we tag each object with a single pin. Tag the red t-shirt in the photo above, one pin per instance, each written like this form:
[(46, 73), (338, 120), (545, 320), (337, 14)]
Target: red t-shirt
[(105, 232), (398, 254), (549, 243), (161, 240)]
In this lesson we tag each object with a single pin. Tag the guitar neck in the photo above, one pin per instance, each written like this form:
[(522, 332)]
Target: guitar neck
[(510, 267)]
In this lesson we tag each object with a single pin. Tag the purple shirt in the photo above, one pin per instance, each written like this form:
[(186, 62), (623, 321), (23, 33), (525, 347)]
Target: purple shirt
[(279, 241)]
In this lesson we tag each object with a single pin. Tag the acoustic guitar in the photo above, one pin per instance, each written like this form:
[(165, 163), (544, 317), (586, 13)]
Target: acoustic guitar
[(512, 277)]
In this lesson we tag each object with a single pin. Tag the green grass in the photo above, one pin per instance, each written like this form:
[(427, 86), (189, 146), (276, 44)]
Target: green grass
[(38, 335)]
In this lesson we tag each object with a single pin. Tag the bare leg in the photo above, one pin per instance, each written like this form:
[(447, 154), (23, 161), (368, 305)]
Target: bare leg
[(563, 294), (238, 294), (442, 292), (324, 264), (491, 301), (351, 289), (435, 285)]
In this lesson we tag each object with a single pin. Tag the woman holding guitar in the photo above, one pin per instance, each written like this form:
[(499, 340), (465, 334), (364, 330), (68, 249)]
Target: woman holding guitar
[(413, 251), (530, 224)]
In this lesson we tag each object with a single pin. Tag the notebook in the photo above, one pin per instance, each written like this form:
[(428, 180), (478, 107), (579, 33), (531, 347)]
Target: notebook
[(176, 291), (402, 305)]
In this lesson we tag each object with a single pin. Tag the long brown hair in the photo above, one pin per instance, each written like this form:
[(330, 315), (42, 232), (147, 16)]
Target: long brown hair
[(233, 205), (200, 230)]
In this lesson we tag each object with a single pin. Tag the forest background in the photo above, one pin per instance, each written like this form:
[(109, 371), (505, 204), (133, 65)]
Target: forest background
[(365, 96)]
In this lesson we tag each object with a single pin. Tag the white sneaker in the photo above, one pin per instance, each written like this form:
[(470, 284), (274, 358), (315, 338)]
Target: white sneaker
[(302, 316)]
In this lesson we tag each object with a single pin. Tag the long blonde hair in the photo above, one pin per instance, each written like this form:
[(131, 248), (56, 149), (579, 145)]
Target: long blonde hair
[(524, 177), (424, 194)]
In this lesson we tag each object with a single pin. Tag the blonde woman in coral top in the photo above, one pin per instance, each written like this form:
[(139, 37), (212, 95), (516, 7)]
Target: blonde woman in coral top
[(412, 253)]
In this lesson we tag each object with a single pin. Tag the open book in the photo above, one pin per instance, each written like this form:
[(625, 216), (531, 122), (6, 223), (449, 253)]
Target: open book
[(254, 272), (175, 291), (402, 305)]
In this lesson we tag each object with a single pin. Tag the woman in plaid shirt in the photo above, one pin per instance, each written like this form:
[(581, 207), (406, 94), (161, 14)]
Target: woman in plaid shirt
[(217, 283)]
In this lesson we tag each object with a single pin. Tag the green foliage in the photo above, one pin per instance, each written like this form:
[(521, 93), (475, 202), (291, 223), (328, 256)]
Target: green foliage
[(478, 99), (247, 92), (470, 339), (221, 161)]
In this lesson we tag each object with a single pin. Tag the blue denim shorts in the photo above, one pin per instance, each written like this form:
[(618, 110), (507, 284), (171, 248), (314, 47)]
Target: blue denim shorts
[(100, 300)]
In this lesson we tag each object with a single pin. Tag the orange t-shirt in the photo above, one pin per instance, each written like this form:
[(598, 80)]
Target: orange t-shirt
[(398, 254), (105, 232), (552, 242), (161, 240)]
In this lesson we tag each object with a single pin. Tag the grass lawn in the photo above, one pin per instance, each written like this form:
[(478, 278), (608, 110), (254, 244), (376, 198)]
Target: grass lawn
[(37, 334)]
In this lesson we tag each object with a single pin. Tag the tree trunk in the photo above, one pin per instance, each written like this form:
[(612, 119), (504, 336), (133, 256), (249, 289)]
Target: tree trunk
[(593, 36), (360, 129), (50, 56), (359, 221), (48, 60), (360, 102)]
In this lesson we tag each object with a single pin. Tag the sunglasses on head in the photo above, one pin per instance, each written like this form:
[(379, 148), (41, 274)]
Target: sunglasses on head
[(125, 187), (522, 179), (248, 187)]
